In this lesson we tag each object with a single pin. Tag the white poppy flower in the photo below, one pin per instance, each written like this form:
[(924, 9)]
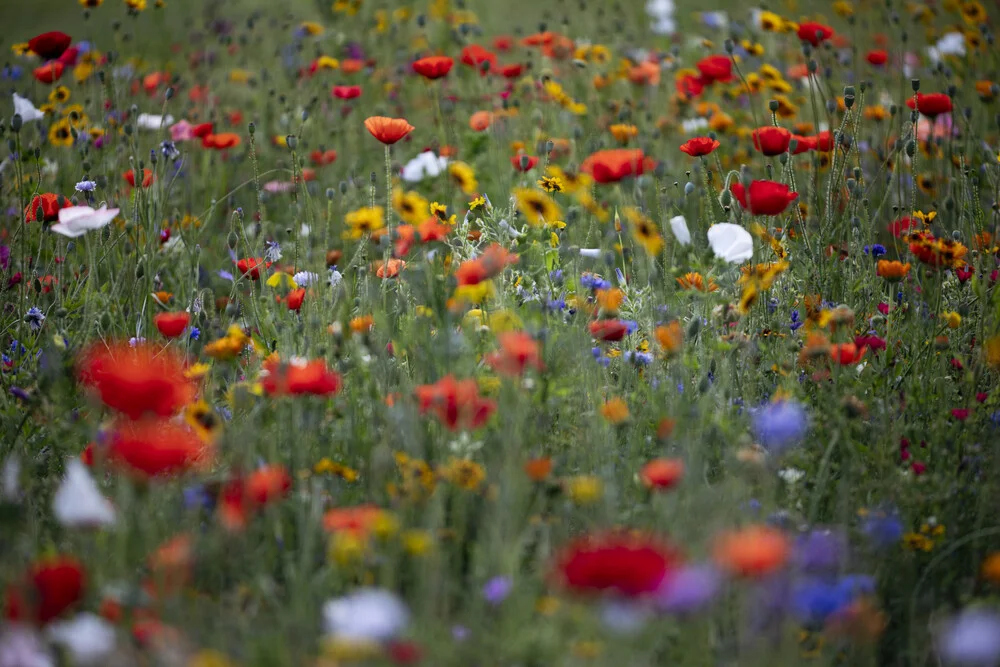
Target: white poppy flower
[(149, 121), (952, 44), (20, 646), (730, 243), (694, 125), (662, 13), (425, 165), (27, 110), (88, 638), (679, 226), (366, 615), (78, 502), (78, 220), (592, 253)]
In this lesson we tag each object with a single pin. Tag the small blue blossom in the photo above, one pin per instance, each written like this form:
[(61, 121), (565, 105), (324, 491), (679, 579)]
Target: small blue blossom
[(195, 333), (34, 317), (877, 250), (780, 425), (86, 186)]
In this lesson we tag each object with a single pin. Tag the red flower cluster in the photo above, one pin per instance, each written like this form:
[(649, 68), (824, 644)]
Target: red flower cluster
[(156, 448), (456, 403), (631, 566), (296, 379), (613, 165)]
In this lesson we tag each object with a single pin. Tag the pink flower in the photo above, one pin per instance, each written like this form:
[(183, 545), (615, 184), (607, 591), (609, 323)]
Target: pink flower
[(918, 468), (883, 308), (981, 397), (181, 131), (961, 414)]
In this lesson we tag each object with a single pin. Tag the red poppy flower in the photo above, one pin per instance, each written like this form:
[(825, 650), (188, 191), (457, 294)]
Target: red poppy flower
[(963, 273), (771, 140), (221, 141), (802, 144), (172, 325), (847, 354), (931, 105), (50, 587), (250, 267), (147, 177), (137, 380), (241, 497), (870, 341), (433, 67), (49, 204), (524, 163), (824, 141), (298, 379), (69, 56), (612, 165), (814, 33), (404, 652), (322, 158), (754, 551), (202, 130), (627, 565), (766, 197), (157, 448), (50, 45), (388, 269), (432, 230), (715, 68), (474, 55), (699, 146), (877, 57), (518, 352), (503, 43), (50, 72), (346, 92), (295, 298), (388, 130), (608, 330), (512, 71), (689, 86), (662, 474), (456, 403), (900, 227), (493, 260)]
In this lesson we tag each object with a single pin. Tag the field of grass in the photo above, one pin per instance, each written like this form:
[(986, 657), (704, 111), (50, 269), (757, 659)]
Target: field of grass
[(502, 334)]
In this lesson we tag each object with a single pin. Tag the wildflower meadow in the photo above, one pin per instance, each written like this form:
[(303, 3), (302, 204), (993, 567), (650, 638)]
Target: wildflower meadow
[(499, 334)]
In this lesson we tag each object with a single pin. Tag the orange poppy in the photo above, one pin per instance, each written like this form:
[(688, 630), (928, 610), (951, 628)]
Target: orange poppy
[(388, 130), (753, 551), (539, 469), (662, 474), (221, 140), (480, 121), (389, 269)]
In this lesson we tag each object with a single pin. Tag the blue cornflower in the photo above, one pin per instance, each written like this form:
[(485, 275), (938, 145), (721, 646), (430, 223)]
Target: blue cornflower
[(796, 322), (497, 589), (639, 358), (12, 72), (34, 317), (556, 276), (876, 250), (883, 527), (195, 333), (86, 186), (600, 357), (631, 326), (169, 149), (780, 425), (272, 251), (556, 304)]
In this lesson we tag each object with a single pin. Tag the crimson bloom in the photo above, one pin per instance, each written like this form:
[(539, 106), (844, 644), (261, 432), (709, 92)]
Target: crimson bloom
[(662, 474), (518, 352), (802, 144), (346, 92), (766, 197), (433, 67), (250, 266), (814, 33), (157, 448), (771, 140), (847, 354), (877, 57), (202, 130), (689, 85), (608, 330), (147, 178), (823, 141), (456, 403), (612, 165), (715, 68), (931, 105), (50, 72), (49, 204), (298, 379), (136, 380), (321, 158), (699, 146), (172, 325), (50, 45), (388, 130), (51, 586), (295, 298), (631, 566)]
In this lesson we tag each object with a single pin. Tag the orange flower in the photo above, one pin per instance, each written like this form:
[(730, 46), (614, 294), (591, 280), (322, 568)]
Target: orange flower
[(754, 551), (171, 563), (147, 178), (670, 336), (388, 130), (615, 410), (645, 74), (665, 428), (662, 474), (696, 281), (612, 165), (847, 354), (242, 497), (456, 403), (891, 270), (388, 269), (539, 469), (610, 299), (221, 140), (480, 121), (518, 351), (362, 324), (358, 520)]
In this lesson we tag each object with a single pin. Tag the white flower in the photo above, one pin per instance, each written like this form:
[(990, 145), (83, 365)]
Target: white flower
[(305, 278), (679, 226), (88, 638), (78, 502), (730, 243), (791, 475), (662, 13), (27, 110), (335, 278), (149, 121), (952, 44), (367, 614), (593, 253), (694, 125), (20, 646), (78, 220), (425, 165)]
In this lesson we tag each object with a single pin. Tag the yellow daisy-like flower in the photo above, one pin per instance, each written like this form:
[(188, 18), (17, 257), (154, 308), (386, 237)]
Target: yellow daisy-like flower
[(537, 207), (82, 72), (280, 279), (416, 542), (197, 371), (20, 49), (550, 184), (973, 13), (463, 473), (364, 221), (349, 7), (61, 133), (311, 28), (59, 95), (203, 420), (477, 203), (136, 5), (327, 62), (571, 182), (585, 489), (91, 4), (645, 231), (412, 208), (238, 75), (623, 132), (464, 177)]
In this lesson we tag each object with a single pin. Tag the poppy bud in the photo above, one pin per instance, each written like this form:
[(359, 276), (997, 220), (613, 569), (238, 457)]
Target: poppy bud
[(251, 128), (291, 141), (831, 106), (128, 129), (812, 66), (15, 122), (773, 105), (330, 192), (232, 240), (915, 84), (728, 45), (140, 270), (694, 327), (726, 198), (688, 189), (373, 178), (343, 187), (911, 148)]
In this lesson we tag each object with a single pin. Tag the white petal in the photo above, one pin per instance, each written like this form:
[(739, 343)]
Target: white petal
[(148, 121), (88, 638), (78, 501), (590, 252), (71, 213), (368, 614), (69, 231), (730, 242), (101, 217), (679, 226), (27, 110)]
